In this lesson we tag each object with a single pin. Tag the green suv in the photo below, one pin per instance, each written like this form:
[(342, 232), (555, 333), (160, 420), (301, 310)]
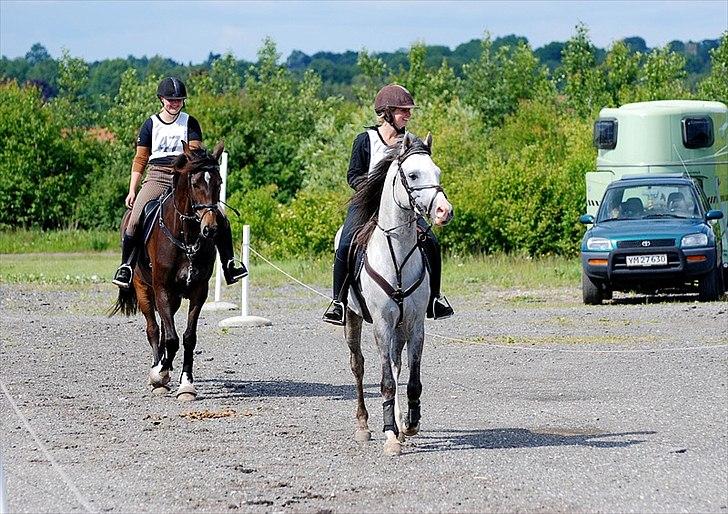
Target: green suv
[(652, 233)]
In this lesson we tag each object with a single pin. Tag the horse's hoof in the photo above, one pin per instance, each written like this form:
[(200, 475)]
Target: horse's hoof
[(186, 391), (186, 397), (392, 448), (157, 378), (362, 436), (160, 390), (410, 431)]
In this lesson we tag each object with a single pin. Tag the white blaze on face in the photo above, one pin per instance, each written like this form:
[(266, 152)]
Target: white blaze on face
[(207, 177)]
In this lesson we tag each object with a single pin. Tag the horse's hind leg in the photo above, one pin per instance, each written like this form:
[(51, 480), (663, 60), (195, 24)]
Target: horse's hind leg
[(356, 360), (414, 386)]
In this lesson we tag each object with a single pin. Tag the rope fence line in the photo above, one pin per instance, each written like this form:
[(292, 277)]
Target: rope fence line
[(513, 347), (79, 497), (289, 276), (567, 350)]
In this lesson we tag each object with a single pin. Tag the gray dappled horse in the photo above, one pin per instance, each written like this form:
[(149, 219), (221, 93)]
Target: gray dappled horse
[(181, 252), (394, 281)]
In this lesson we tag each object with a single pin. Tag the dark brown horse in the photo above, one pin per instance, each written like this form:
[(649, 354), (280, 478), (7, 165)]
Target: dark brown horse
[(181, 251)]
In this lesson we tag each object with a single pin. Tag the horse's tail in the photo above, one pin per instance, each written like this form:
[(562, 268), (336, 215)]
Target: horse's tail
[(126, 303)]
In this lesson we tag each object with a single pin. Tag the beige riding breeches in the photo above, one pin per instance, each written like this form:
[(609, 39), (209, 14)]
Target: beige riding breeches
[(156, 183)]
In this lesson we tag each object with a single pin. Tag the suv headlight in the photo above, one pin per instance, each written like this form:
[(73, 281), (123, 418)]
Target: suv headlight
[(599, 244), (694, 240)]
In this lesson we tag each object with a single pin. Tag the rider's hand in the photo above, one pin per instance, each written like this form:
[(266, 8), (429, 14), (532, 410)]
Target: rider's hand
[(129, 202)]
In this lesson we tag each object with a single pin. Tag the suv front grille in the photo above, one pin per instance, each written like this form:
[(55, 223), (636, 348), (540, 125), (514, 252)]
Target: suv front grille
[(637, 243)]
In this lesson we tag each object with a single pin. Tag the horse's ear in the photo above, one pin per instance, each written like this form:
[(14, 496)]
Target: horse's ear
[(181, 160), (185, 148), (219, 147), (406, 143), (428, 141)]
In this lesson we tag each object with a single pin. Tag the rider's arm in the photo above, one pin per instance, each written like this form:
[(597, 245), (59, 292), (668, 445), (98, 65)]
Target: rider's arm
[(194, 133), (359, 162)]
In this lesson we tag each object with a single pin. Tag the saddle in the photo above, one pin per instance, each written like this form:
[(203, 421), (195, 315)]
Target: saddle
[(356, 265), (147, 221)]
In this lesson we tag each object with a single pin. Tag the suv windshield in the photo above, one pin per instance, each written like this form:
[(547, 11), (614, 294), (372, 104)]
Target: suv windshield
[(649, 201)]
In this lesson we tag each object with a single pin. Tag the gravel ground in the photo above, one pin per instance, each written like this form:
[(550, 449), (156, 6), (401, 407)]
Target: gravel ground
[(535, 403)]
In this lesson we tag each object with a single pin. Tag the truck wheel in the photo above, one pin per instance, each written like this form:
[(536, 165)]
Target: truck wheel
[(591, 292), (709, 286)]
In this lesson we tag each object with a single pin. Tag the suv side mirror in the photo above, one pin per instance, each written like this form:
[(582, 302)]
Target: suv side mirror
[(713, 215), (588, 219)]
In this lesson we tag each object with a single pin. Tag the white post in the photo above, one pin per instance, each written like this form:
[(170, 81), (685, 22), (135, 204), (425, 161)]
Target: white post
[(219, 305), (244, 320)]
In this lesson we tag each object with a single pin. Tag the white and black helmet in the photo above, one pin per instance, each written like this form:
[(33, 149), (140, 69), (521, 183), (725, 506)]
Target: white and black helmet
[(172, 88)]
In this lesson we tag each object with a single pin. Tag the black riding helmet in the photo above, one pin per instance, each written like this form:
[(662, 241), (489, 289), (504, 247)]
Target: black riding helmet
[(172, 88)]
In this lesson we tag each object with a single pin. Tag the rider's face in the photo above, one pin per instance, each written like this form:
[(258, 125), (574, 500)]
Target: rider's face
[(401, 117), (172, 106)]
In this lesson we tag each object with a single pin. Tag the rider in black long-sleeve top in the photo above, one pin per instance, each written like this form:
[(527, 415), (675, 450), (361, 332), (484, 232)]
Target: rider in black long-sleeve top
[(393, 106)]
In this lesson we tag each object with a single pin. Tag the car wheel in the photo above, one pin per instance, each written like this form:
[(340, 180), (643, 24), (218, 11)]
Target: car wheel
[(709, 286), (591, 292)]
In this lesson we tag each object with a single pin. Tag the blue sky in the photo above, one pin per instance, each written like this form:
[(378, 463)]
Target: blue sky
[(187, 30)]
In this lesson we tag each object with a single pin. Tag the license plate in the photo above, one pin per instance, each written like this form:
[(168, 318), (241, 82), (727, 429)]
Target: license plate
[(647, 260)]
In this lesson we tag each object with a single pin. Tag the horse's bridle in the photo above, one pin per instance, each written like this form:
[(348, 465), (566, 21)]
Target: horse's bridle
[(397, 294), (190, 250)]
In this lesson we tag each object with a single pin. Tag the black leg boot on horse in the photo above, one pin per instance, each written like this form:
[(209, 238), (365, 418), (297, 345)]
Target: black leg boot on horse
[(224, 244), (129, 253), (438, 307)]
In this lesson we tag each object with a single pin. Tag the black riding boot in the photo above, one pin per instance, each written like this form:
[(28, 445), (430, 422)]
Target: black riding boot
[(224, 244), (125, 272), (336, 313), (438, 307)]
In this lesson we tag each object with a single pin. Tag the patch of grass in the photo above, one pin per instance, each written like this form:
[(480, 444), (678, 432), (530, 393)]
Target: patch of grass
[(39, 241), (510, 271), (461, 276)]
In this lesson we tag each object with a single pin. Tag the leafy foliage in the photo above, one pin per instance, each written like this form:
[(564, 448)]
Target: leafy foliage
[(512, 139)]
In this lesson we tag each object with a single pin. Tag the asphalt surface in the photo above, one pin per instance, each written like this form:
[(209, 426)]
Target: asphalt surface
[(536, 403)]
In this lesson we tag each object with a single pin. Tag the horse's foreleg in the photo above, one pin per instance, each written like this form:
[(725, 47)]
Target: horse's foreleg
[(352, 332), (187, 391), (167, 306), (414, 385), (157, 378), (391, 362)]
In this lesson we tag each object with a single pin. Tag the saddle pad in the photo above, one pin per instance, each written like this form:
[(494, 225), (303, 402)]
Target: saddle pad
[(356, 264)]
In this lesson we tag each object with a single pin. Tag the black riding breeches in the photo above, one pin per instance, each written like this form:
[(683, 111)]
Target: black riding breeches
[(224, 239), (341, 259), (431, 246)]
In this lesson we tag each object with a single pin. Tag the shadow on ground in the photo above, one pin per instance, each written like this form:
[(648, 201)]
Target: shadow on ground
[(221, 388), (449, 440)]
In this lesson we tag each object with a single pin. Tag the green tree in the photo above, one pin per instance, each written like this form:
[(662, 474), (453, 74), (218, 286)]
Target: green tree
[(715, 85), (622, 70), (583, 82), (662, 76)]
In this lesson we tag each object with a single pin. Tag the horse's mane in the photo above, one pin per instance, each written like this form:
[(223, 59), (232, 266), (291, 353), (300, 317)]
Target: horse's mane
[(366, 199)]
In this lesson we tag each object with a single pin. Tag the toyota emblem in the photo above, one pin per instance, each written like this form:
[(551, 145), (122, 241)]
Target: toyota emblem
[(646, 243)]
